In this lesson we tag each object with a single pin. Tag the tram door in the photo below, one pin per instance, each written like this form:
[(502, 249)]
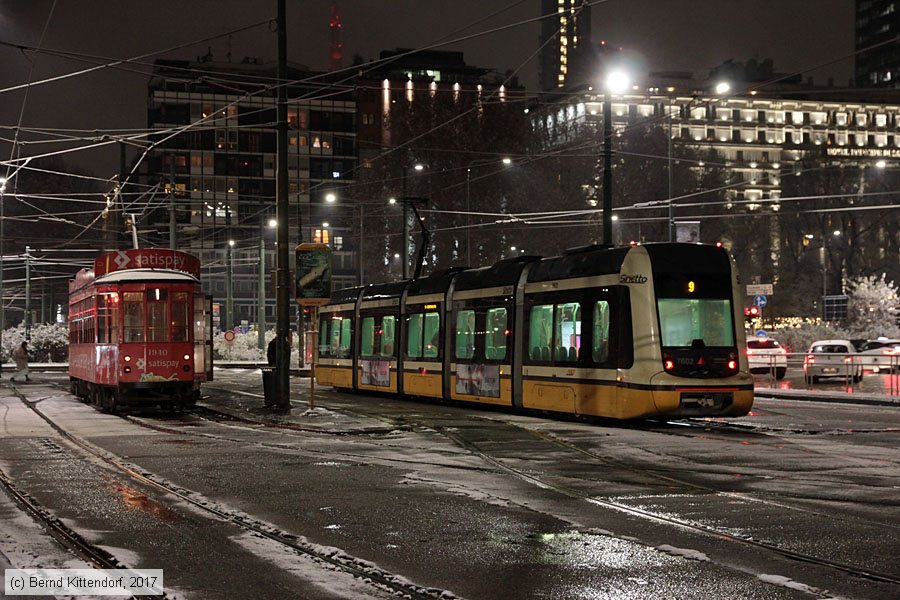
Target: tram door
[(203, 350)]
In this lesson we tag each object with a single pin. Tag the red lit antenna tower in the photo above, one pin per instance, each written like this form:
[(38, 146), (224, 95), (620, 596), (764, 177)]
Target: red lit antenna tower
[(337, 52)]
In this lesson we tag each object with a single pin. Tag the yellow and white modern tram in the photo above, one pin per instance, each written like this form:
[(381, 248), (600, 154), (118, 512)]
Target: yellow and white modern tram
[(642, 331)]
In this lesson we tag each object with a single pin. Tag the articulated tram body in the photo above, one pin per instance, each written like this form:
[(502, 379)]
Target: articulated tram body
[(139, 329), (633, 332)]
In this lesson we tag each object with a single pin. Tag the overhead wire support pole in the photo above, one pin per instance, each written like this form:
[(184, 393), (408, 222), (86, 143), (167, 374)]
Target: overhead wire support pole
[(261, 290), (172, 241), (282, 292), (2, 302), (607, 168), (409, 202), (28, 293), (671, 207), (405, 229)]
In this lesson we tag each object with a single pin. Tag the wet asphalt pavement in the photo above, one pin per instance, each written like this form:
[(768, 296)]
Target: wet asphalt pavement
[(476, 503)]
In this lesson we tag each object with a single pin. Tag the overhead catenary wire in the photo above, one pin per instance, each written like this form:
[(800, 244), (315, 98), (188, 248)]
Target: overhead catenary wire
[(680, 159)]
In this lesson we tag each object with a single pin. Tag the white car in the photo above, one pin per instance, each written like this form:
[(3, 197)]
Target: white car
[(881, 354), (832, 358), (765, 354)]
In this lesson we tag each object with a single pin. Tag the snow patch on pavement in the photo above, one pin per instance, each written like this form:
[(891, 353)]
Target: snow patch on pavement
[(317, 572), (787, 582), (685, 552), (418, 479)]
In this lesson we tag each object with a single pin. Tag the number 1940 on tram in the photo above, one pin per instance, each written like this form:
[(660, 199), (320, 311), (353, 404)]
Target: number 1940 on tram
[(139, 330)]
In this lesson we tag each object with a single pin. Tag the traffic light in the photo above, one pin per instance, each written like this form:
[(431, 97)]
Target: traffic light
[(752, 312)]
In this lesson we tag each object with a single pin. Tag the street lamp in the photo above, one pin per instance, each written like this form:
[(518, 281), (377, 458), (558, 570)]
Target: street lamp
[(2, 321), (229, 286), (418, 167), (261, 286), (836, 233), (473, 163), (616, 83)]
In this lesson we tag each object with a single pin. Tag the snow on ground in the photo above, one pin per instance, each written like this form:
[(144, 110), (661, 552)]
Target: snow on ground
[(310, 569), (794, 585)]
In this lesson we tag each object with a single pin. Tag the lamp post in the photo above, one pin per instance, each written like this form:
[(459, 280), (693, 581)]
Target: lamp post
[(417, 167), (229, 286), (261, 286), (28, 293), (671, 207), (616, 83), (836, 233), (506, 161), (2, 303)]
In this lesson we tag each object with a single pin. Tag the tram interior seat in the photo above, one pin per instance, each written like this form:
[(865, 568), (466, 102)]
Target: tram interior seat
[(540, 353), (562, 355), (573, 354)]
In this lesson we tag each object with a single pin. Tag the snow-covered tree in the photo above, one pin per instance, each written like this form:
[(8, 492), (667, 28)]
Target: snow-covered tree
[(872, 307), (49, 342)]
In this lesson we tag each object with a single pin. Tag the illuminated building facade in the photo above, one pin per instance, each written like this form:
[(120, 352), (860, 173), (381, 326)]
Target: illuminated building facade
[(223, 165), (878, 21), (565, 49)]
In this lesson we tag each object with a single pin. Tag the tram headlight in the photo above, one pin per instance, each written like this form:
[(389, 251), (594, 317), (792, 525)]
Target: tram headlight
[(126, 370), (127, 358), (187, 357)]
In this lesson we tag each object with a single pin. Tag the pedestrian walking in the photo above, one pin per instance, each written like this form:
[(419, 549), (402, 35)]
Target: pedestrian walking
[(20, 356)]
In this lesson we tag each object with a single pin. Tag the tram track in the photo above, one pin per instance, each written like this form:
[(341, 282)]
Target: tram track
[(70, 539), (379, 579), (498, 465), (405, 423), (542, 482)]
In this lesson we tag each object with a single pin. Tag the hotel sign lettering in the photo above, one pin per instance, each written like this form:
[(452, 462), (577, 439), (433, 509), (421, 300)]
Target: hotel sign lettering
[(863, 152)]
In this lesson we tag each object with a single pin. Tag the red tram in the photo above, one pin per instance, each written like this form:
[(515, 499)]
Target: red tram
[(139, 330)]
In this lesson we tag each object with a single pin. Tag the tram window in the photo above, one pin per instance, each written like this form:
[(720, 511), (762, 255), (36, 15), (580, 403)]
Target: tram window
[(324, 348), (346, 337), (495, 334), (102, 318), (388, 329), (540, 331), (367, 337), (465, 334), (113, 311), (134, 317), (432, 335), (180, 317), (568, 332), (414, 335), (335, 339), (685, 322), (341, 336), (157, 317), (600, 341)]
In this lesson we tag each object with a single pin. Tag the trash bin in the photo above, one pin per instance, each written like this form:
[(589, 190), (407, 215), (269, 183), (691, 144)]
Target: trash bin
[(269, 385)]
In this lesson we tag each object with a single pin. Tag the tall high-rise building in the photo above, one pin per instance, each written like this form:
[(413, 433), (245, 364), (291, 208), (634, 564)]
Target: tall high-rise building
[(566, 54), (878, 21), (216, 144)]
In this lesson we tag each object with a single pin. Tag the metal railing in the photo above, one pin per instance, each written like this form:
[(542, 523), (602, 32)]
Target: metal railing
[(846, 368)]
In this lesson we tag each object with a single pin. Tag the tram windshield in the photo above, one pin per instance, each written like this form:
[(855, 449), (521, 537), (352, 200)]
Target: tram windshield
[(692, 322)]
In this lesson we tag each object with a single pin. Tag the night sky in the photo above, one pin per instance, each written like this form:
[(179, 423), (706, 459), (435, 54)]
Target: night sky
[(692, 35)]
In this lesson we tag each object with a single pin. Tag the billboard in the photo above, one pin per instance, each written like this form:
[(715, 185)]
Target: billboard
[(687, 231), (313, 282)]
